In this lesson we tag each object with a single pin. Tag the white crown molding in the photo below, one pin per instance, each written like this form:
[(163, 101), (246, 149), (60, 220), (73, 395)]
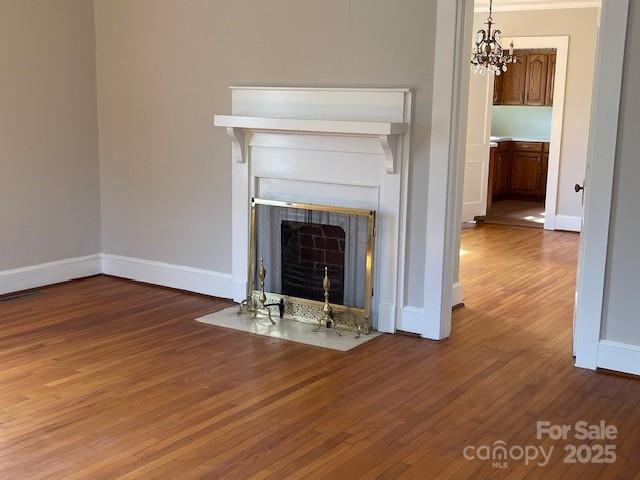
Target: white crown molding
[(34, 276), (482, 6)]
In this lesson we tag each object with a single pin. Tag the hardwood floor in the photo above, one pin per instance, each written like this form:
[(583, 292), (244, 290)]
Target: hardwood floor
[(521, 213), (105, 378)]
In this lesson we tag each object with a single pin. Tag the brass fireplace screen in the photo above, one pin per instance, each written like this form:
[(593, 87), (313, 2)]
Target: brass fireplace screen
[(298, 243)]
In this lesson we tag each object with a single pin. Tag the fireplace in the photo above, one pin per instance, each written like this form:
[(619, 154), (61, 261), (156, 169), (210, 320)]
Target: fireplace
[(346, 147), (298, 244), (307, 249)]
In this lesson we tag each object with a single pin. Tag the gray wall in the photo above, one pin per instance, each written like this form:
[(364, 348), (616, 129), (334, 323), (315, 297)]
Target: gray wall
[(164, 68), (49, 198), (621, 317)]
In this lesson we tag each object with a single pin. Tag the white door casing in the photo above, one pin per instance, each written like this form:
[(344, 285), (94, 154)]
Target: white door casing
[(598, 183)]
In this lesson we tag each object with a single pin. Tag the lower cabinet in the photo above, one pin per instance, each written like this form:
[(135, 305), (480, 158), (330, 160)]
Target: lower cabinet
[(541, 191), (504, 173), (525, 173), (519, 171)]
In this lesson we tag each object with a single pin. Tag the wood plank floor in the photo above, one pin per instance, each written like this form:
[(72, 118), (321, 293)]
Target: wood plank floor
[(105, 378), (520, 213)]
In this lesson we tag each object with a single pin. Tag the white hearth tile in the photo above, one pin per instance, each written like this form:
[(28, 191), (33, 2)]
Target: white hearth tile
[(286, 329)]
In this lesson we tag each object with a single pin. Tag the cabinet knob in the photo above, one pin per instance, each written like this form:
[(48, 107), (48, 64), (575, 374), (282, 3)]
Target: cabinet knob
[(578, 187)]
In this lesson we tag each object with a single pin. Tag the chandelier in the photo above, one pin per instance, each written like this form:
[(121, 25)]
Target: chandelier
[(488, 55)]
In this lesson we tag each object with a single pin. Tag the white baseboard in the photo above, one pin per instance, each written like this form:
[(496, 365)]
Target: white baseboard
[(568, 223), (386, 318), (618, 356), (414, 318), (169, 275), (35, 276), (456, 294), (192, 279), (239, 291)]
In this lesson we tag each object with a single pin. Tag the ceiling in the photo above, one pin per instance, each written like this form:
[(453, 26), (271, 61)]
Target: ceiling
[(512, 5)]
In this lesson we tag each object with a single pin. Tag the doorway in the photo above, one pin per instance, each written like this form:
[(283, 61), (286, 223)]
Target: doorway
[(444, 209), (514, 138), (525, 131)]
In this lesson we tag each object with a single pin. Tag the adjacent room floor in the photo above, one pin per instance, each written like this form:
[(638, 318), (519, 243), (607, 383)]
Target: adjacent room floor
[(522, 213), (106, 378)]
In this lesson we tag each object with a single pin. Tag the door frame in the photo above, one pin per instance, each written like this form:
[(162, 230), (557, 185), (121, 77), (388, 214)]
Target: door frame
[(454, 20), (598, 184), (561, 45)]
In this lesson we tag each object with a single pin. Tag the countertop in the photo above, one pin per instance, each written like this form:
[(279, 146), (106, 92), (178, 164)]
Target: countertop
[(496, 140)]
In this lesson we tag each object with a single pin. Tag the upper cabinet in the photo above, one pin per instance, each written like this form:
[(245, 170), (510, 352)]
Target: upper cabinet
[(497, 88), (513, 82), (551, 78), (529, 81), (535, 90)]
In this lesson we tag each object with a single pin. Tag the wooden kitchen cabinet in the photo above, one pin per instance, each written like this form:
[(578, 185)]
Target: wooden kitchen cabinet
[(541, 188), (529, 81), (551, 79), (493, 151), (497, 88), (501, 178), (503, 166), (513, 82), (525, 173), (536, 79), (518, 171)]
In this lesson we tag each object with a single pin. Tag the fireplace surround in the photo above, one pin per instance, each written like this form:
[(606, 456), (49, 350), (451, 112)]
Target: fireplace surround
[(341, 147)]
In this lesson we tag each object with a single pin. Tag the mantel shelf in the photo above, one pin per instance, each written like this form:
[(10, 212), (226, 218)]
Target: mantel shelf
[(305, 125), (385, 132)]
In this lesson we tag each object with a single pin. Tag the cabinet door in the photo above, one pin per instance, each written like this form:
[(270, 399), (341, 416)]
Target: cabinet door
[(493, 151), (525, 173), (551, 78), (503, 173), (497, 89), (498, 166), (514, 81), (536, 79), (542, 176)]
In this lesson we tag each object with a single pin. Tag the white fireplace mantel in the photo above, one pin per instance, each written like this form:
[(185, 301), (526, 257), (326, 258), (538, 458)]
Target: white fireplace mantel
[(386, 132), (345, 147)]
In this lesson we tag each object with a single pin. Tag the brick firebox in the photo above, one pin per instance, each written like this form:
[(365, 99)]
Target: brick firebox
[(306, 249)]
